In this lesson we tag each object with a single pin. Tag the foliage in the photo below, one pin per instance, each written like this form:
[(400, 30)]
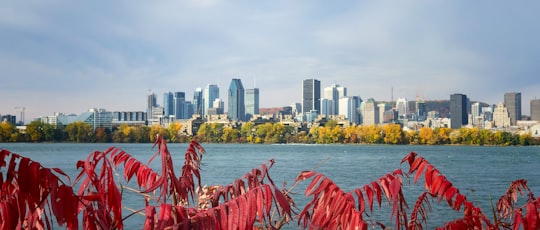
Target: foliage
[(33, 196)]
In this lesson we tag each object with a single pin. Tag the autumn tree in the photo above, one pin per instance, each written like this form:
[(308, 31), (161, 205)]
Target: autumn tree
[(393, 134), (7, 130), (79, 132)]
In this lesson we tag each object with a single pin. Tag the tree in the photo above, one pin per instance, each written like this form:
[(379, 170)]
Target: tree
[(393, 134), (7, 130), (35, 131), (174, 131), (247, 131), (79, 132), (230, 135)]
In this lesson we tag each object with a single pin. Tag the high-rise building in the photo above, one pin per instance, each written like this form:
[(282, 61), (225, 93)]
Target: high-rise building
[(382, 110), (458, 110), (236, 101), (252, 102), (348, 107), (311, 95), (370, 112), (333, 93), (198, 101), (151, 100), (535, 109), (179, 100), (512, 101), (421, 111), (402, 106), (327, 107), (501, 117), (210, 94), (168, 104)]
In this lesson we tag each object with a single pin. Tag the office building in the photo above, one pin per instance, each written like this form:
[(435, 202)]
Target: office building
[(168, 104), (252, 103), (210, 94), (370, 112), (348, 107), (151, 102), (332, 94), (402, 107), (501, 117), (311, 95), (535, 110), (179, 100), (237, 106), (198, 101), (512, 101), (458, 110)]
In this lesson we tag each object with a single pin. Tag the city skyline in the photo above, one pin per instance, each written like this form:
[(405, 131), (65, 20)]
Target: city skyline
[(64, 57)]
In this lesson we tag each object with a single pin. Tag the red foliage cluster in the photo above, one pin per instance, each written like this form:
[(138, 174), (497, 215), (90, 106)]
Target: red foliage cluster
[(32, 195)]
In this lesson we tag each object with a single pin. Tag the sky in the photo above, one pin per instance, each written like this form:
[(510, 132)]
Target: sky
[(68, 56)]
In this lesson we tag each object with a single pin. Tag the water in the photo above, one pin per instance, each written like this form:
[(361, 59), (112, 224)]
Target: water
[(479, 172)]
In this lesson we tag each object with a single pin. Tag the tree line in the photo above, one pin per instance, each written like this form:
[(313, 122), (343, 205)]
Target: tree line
[(268, 133)]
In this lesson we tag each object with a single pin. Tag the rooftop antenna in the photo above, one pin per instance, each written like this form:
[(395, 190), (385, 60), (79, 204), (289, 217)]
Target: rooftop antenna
[(392, 94)]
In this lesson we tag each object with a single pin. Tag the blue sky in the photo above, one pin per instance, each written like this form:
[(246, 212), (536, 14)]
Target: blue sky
[(68, 56)]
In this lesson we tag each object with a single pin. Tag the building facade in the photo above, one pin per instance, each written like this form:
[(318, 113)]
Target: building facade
[(237, 106), (197, 101), (210, 94), (535, 109), (311, 95), (512, 101), (501, 117), (402, 107), (458, 110), (252, 103)]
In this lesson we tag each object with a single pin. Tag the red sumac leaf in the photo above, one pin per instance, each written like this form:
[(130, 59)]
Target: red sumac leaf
[(532, 216)]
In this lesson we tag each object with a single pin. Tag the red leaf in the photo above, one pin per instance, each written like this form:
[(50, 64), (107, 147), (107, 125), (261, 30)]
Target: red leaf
[(532, 216), (361, 202), (282, 200), (369, 193)]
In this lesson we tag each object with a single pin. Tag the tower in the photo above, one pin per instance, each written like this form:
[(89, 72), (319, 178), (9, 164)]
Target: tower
[(197, 101), (311, 95), (168, 104), (252, 102), (535, 109), (210, 93), (236, 100), (458, 110), (512, 102)]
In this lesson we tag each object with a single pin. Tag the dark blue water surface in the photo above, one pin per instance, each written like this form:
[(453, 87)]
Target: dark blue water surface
[(481, 173)]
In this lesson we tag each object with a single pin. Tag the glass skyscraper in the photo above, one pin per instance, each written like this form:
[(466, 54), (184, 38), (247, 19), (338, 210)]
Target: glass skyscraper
[(458, 110), (210, 93), (252, 102), (236, 100), (311, 95)]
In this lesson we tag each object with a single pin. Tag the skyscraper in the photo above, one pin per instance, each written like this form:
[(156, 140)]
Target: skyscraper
[(535, 109), (311, 95), (151, 100), (333, 93), (198, 101), (458, 110), (210, 93), (252, 102), (168, 104), (512, 102), (370, 112), (402, 106), (179, 99), (236, 100)]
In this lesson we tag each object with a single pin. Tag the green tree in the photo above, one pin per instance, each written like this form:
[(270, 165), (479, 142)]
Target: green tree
[(79, 132), (230, 135), (247, 131), (34, 130)]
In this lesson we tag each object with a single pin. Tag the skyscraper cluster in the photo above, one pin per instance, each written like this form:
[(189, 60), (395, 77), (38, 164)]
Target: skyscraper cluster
[(242, 104)]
